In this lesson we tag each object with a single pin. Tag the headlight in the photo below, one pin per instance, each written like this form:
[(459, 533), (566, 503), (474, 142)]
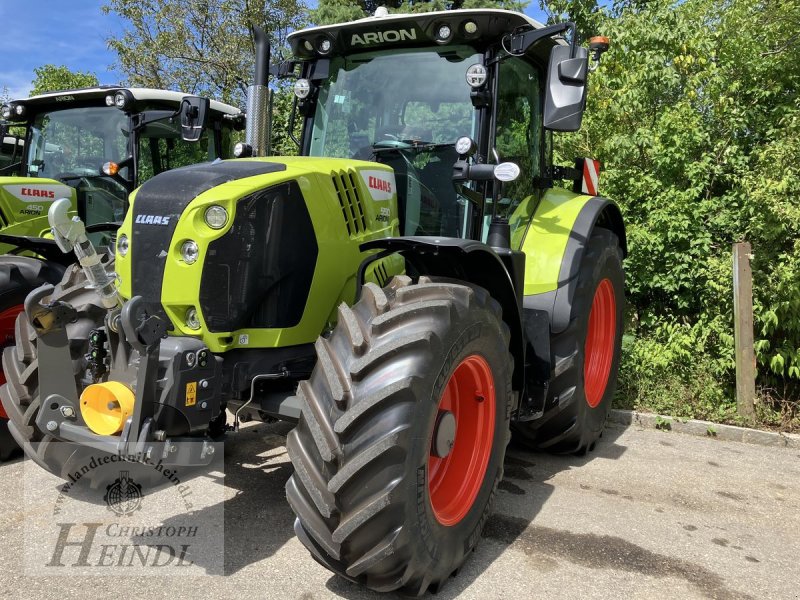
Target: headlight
[(19, 110), (324, 46), (123, 245), (5, 112), (189, 252), (302, 88), (192, 320), (216, 217), (109, 100)]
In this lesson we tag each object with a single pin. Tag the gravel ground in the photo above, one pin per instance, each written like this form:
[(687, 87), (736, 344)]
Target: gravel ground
[(647, 514)]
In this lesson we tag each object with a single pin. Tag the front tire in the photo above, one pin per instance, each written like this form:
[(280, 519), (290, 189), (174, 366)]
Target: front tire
[(584, 358), (20, 394), (19, 275), (401, 441)]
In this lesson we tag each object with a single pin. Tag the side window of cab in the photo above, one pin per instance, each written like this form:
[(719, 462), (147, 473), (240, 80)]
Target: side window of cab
[(518, 136)]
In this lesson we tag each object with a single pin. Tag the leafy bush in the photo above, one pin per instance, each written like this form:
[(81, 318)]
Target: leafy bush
[(694, 114)]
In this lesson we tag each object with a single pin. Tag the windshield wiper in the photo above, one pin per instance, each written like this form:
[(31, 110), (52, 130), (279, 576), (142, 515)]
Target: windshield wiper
[(415, 147)]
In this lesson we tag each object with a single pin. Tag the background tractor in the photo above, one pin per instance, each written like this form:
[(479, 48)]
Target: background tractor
[(93, 146), (408, 299)]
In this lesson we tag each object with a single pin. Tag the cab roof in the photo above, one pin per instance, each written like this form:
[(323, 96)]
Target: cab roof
[(408, 30), (99, 93)]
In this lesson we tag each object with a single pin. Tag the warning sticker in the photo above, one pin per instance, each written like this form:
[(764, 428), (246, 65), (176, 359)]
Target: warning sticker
[(191, 393)]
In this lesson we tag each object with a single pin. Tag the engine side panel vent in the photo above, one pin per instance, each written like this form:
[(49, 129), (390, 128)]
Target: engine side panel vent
[(355, 219)]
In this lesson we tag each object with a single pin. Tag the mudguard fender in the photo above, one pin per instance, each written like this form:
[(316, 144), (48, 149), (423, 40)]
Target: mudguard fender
[(554, 249), (470, 261)]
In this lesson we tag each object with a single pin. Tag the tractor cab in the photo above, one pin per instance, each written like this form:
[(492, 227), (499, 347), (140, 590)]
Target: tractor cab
[(96, 145), (401, 89)]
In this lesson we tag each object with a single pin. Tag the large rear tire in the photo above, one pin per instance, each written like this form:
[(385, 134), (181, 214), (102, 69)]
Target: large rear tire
[(20, 394), (19, 275), (403, 432), (584, 357)]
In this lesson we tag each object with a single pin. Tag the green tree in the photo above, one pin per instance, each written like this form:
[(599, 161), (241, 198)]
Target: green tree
[(205, 47), (198, 46), (695, 115), (342, 11), (52, 78)]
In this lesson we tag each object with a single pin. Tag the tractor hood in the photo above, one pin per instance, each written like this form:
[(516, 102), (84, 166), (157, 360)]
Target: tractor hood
[(241, 247), (24, 202)]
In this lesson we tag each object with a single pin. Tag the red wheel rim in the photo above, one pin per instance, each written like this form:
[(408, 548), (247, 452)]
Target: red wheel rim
[(8, 319), (599, 349), (454, 481)]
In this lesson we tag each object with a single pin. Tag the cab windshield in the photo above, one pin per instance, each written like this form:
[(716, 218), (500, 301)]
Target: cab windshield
[(75, 142), (412, 95), (404, 108)]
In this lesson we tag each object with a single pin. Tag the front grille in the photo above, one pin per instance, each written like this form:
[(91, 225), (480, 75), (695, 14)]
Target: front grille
[(166, 196), (350, 200), (259, 273)]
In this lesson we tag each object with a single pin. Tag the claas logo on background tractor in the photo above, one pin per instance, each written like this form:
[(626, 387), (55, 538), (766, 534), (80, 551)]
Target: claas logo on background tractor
[(37, 193)]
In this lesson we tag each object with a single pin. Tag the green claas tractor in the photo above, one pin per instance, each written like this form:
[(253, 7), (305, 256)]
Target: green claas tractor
[(93, 146), (411, 291)]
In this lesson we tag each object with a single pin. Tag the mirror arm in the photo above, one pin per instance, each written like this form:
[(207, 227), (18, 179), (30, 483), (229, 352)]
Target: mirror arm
[(524, 41)]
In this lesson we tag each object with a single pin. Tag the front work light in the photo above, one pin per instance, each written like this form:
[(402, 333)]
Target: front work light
[(242, 150), (302, 88), (476, 75)]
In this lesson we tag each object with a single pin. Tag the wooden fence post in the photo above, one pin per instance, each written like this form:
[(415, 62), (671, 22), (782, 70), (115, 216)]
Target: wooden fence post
[(743, 331)]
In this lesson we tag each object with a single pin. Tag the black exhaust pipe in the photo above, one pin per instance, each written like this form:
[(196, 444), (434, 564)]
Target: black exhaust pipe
[(257, 130)]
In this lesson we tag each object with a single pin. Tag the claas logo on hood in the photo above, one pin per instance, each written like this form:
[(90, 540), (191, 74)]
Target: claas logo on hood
[(151, 220)]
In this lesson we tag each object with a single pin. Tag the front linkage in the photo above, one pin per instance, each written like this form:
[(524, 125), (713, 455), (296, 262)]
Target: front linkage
[(154, 392)]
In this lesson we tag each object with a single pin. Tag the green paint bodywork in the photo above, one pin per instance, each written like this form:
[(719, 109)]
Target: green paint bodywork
[(337, 260), (543, 227), (545, 239), (29, 217)]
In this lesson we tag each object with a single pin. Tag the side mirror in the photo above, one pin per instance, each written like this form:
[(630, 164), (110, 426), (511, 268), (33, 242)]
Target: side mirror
[(194, 117), (565, 96)]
